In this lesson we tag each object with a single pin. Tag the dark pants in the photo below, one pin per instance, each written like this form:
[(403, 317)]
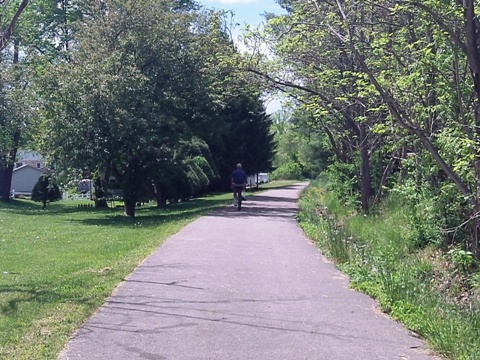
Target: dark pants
[(237, 189)]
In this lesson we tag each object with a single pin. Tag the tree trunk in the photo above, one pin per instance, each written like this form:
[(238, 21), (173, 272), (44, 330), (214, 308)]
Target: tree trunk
[(129, 207), (387, 171), (100, 195), (8, 168), (12, 155), (7, 182), (130, 186), (2, 179), (472, 242), (7, 33), (364, 169), (159, 196), (474, 64)]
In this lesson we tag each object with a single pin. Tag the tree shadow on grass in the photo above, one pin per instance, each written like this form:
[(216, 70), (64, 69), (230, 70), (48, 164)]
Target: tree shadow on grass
[(209, 201), (153, 217), (26, 207), (256, 205), (27, 293)]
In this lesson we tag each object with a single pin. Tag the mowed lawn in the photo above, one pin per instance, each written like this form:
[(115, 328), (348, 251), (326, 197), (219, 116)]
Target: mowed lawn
[(58, 265)]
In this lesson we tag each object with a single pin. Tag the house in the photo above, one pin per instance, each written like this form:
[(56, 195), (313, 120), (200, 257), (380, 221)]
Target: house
[(31, 158), (262, 179), (29, 166), (24, 179)]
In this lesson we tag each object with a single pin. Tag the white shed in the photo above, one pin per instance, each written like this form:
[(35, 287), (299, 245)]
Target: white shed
[(262, 179), (24, 179)]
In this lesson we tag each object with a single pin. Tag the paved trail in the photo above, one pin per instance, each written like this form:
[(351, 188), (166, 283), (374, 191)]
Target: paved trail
[(241, 285)]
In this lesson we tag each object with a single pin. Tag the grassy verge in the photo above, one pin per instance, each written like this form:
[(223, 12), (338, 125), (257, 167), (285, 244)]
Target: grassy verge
[(413, 287), (58, 266)]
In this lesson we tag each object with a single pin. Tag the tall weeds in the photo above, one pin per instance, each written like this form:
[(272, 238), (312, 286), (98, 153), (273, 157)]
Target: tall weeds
[(425, 288)]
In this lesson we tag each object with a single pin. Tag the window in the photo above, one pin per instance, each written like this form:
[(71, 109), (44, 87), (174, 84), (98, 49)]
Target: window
[(18, 164), (39, 165)]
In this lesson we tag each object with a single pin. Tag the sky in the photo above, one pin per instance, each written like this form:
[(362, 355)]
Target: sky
[(246, 11), (249, 12)]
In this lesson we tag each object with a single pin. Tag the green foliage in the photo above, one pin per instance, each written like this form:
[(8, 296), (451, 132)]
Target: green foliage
[(297, 142), (46, 190), (246, 138), (409, 285), (386, 86), (318, 223), (461, 259), (138, 86), (288, 171), (343, 180)]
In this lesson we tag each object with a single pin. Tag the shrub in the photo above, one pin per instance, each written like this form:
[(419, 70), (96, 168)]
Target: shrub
[(46, 190), (288, 171)]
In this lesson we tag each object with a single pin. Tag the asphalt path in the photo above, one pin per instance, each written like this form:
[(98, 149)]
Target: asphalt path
[(242, 285)]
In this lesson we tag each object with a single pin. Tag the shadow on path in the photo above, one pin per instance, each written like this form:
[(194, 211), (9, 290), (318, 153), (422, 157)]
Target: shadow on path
[(263, 206)]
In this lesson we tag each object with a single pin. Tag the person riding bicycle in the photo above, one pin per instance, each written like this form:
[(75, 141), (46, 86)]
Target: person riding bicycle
[(238, 181)]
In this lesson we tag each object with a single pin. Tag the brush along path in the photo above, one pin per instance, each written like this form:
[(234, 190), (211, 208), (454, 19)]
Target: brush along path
[(241, 285)]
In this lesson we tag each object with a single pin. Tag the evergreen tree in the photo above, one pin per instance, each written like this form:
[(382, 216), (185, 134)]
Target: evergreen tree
[(46, 190)]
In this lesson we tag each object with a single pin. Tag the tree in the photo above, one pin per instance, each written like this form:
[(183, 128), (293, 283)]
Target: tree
[(188, 170), (386, 82), (42, 34), (246, 138), (15, 116), (46, 190), (9, 136), (300, 146), (138, 83), (8, 27)]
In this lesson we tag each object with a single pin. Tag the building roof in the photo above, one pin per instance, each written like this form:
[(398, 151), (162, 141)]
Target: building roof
[(43, 171)]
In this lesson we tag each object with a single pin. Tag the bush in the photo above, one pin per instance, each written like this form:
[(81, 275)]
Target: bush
[(343, 182), (288, 171), (426, 219), (46, 190)]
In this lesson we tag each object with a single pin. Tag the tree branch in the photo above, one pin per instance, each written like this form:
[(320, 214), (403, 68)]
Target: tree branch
[(7, 34)]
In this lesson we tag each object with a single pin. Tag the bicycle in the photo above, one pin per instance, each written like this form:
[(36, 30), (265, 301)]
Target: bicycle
[(237, 194)]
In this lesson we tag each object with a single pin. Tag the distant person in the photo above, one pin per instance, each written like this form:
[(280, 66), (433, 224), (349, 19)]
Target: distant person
[(238, 181)]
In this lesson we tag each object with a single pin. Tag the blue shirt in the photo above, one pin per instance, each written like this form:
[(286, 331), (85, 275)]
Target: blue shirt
[(239, 177)]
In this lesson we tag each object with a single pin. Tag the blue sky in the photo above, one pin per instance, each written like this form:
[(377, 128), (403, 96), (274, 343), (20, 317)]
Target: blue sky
[(246, 11), (250, 12)]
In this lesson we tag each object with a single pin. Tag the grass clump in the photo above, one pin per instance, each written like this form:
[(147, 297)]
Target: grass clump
[(431, 290)]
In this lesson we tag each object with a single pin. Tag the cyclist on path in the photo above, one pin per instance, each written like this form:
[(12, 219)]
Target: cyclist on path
[(238, 182)]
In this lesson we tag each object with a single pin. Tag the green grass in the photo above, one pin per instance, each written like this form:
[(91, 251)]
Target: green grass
[(375, 252), (57, 266)]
